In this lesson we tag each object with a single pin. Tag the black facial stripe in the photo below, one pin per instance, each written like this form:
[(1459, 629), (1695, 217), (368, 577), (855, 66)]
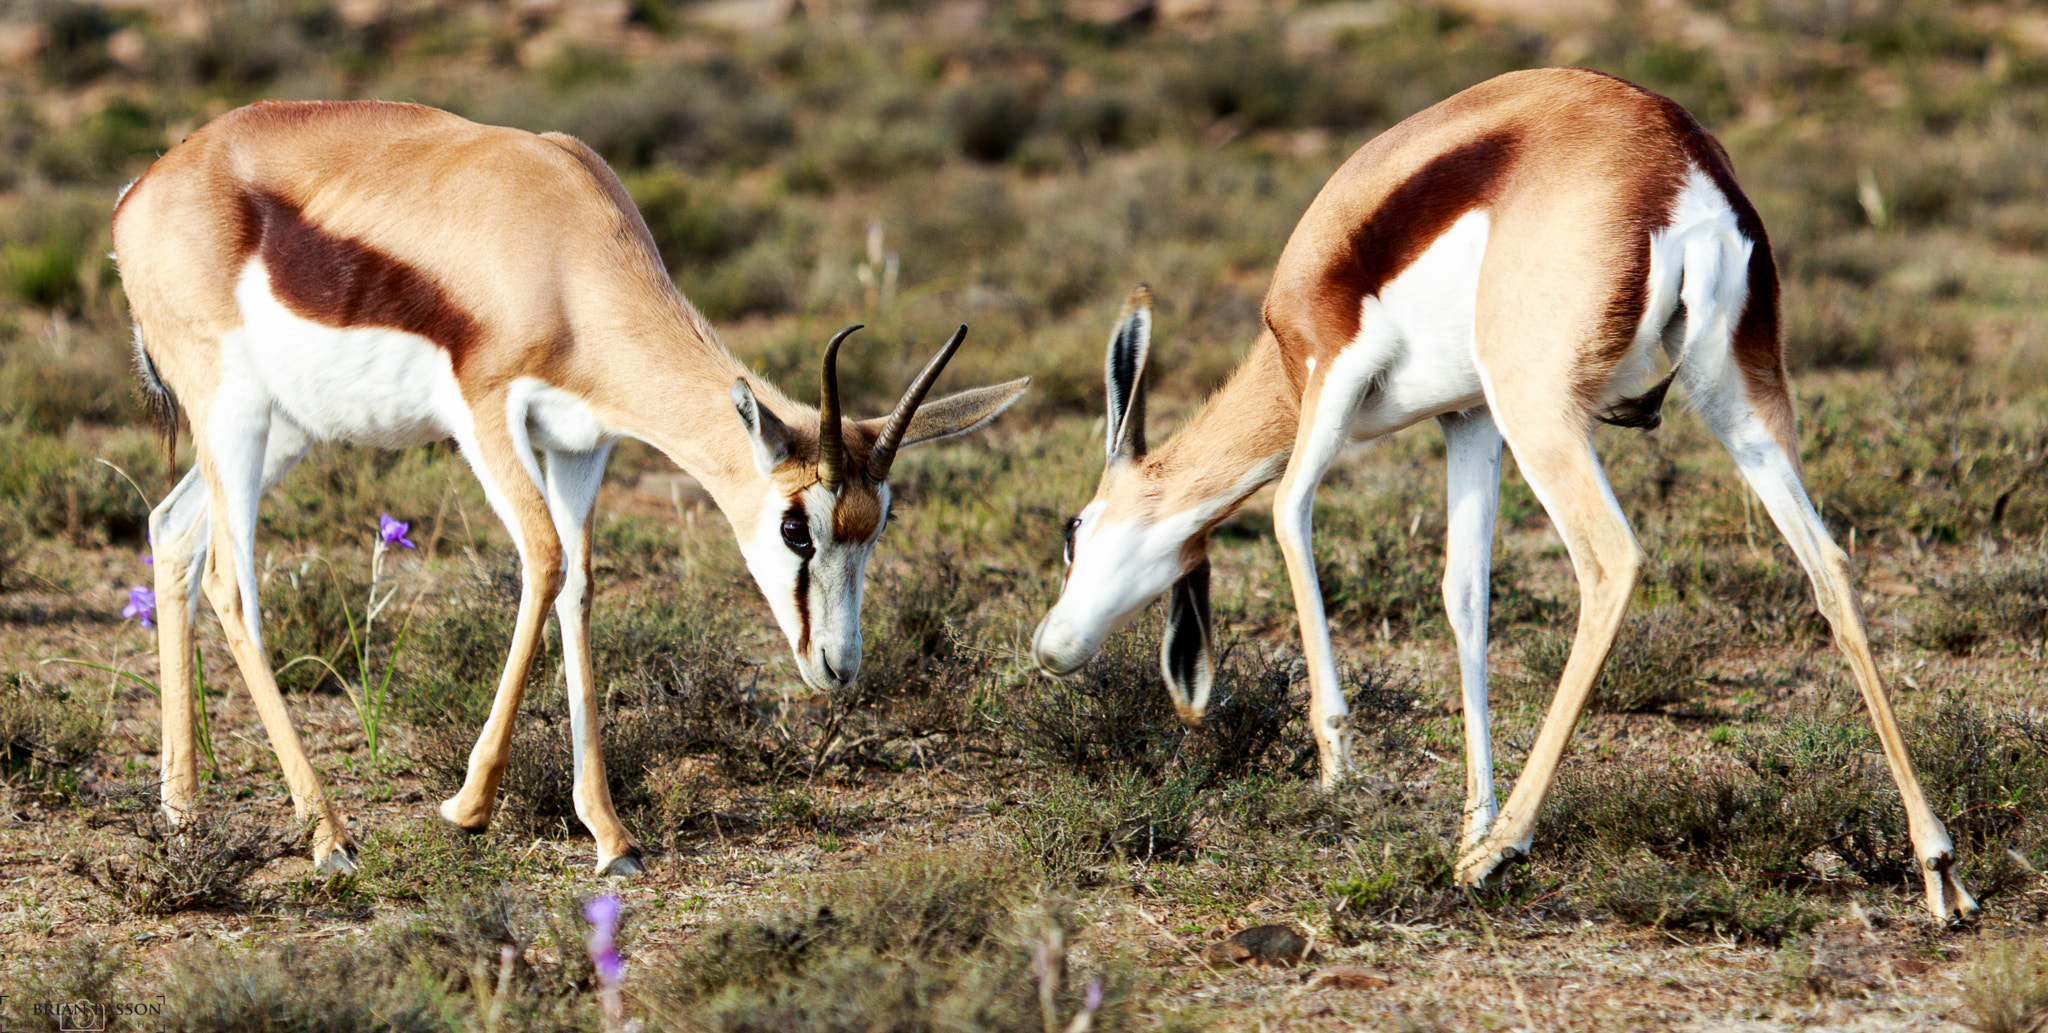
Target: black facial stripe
[(803, 607)]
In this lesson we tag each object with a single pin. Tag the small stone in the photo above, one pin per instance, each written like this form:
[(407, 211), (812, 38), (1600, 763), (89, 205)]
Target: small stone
[(1351, 977), (1277, 945), (1911, 966)]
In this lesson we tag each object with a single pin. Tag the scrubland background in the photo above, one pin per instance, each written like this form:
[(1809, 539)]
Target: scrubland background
[(1724, 849)]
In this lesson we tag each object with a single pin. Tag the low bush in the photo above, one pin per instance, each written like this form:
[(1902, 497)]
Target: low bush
[(1768, 599), (2007, 601), (1403, 862), (1643, 889), (1077, 826), (46, 730), (1808, 802), (205, 860), (1657, 661), (307, 608), (938, 941)]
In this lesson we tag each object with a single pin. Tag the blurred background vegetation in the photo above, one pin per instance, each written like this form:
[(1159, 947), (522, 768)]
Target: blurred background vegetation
[(1020, 165)]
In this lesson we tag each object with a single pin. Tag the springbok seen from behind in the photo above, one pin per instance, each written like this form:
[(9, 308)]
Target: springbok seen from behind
[(1508, 262), (391, 275)]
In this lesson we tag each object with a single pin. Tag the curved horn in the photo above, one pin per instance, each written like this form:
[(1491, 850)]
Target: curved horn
[(831, 447), (884, 453)]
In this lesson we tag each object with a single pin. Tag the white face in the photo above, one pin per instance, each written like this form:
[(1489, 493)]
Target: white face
[(1115, 568), (813, 582)]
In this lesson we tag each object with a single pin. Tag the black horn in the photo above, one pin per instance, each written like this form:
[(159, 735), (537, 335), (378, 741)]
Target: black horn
[(832, 447), (884, 454)]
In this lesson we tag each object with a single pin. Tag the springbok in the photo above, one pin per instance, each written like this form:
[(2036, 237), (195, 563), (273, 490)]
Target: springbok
[(392, 275), (1508, 261)]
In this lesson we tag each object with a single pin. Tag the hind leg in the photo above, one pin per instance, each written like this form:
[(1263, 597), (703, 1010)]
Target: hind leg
[(180, 532), (1549, 434), (233, 456), (179, 529), (1765, 451)]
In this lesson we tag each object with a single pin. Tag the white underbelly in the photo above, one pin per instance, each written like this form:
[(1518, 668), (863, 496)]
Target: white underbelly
[(365, 385), (1416, 336)]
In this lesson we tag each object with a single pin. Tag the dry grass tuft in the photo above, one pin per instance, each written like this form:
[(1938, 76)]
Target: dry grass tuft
[(1657, 661), (206, 860), (2007, 991)]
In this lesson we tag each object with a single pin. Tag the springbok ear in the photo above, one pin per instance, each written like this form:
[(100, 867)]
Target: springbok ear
[(1124, 372), (955, 414), (770, 436), (1185, 655)]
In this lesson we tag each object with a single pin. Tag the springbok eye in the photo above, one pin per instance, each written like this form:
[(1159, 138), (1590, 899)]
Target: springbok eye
[(796, 533), (1073, 525)]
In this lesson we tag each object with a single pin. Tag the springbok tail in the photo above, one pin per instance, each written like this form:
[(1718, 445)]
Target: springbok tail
[(1702, 268), (163, 405)]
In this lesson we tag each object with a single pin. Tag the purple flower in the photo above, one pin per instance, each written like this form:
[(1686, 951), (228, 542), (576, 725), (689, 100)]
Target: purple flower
[(392, 532), (603, 916), (141, 603)]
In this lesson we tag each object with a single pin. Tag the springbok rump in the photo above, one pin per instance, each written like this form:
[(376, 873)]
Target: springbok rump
[(391, 275), (1509, 262)]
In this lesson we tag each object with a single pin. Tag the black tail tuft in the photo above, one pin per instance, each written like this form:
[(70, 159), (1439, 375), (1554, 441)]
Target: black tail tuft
[(163, 405), (1643, 412)]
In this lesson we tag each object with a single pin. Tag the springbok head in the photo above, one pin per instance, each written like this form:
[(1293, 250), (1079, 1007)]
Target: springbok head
[(1137, 539), (826, 500)]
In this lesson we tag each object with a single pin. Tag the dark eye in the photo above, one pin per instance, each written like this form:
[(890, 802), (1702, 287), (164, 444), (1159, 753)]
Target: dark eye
[(796, 533), (1073, 524)]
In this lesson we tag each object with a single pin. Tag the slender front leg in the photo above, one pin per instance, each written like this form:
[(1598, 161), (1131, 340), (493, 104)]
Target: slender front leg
[(511, 483), (179, 528), (1318, 438), (1472, 465), (572, 482)]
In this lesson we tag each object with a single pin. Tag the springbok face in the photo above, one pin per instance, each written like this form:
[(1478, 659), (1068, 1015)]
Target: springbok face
[(826, 499), (1125, 549)]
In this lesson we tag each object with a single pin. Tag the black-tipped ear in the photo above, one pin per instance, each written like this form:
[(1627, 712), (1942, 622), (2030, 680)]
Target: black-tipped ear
[(1185, 655), (1124, 372), (768, 434)]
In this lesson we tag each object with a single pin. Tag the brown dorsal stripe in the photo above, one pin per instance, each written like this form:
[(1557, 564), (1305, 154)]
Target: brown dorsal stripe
[(339, 282), (1414, 214), (1407, 221)]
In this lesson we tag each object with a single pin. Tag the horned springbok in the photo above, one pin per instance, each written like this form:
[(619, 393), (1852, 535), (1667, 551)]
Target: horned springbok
[(1508, 261), (391, 275)]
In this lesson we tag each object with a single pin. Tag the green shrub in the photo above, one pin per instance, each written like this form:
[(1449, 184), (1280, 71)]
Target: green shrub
[(1079, 825), (989, 120), (1642, 889), (693, 225)]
